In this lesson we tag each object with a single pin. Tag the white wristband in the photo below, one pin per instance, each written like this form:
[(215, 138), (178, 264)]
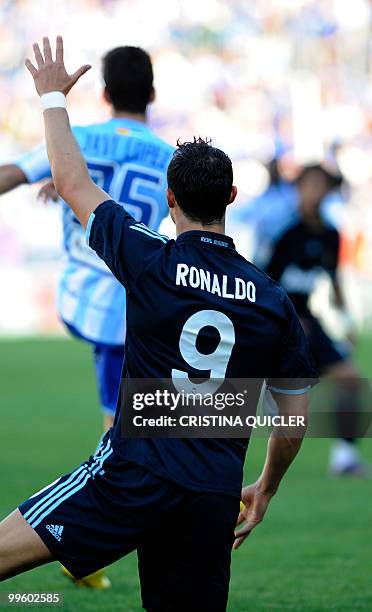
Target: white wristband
[(53, 99)]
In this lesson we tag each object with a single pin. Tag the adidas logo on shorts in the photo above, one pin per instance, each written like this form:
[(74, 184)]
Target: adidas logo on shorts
[(56, 531)]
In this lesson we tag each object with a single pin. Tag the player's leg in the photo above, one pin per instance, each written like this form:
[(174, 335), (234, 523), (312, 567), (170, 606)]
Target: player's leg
[(349, 388), (334, 363), (83, 519), (184, 563), (21, 549), (109, 365)]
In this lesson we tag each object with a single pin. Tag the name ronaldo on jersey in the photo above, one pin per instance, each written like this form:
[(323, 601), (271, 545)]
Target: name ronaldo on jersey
[(198, 278)]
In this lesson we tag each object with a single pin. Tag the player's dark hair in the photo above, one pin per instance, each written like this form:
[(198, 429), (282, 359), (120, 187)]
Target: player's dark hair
[(201, 179), (128, 76)]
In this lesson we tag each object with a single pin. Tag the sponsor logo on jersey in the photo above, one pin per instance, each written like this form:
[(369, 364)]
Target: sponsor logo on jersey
[(123, 131)]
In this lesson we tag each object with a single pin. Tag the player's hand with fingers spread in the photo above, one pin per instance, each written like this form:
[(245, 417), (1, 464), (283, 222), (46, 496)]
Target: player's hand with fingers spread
[(51, 75), (255, 505)]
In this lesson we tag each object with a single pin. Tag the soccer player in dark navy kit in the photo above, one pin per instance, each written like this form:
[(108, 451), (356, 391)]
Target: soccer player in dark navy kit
[(175, 500), (297, 258)]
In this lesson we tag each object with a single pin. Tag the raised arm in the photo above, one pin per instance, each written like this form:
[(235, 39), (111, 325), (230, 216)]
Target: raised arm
[(69, 170)]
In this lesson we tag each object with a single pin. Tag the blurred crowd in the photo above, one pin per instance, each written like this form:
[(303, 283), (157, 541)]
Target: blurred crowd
[(288, 80)]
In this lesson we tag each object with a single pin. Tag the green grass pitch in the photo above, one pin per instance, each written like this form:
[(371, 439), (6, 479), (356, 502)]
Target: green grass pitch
[(312, 553)]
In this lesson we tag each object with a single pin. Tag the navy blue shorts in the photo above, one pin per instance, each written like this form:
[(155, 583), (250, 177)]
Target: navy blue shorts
[(109, 507), (325, 351), (108, 361)]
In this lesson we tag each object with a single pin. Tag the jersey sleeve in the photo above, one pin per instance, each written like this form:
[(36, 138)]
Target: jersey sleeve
[(295, 372), (125, 245), (35, 164)]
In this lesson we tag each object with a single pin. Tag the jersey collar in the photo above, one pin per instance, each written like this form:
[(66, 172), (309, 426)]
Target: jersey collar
[(130, 123), (206, 239)]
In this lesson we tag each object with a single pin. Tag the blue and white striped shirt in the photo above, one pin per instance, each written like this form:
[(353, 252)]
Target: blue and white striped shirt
[(128, 161)]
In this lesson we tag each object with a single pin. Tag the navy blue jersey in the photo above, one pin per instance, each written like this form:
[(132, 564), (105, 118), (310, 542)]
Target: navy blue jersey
[(196, 308), (299, 257)]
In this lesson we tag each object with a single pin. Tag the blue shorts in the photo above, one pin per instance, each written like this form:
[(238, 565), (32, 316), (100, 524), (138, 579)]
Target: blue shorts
[(109, 364), (325, 351), (109, 361), (109, 507)]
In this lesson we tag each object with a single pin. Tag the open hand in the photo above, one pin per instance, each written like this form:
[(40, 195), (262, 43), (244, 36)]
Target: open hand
[(52, 75), (255, 506)]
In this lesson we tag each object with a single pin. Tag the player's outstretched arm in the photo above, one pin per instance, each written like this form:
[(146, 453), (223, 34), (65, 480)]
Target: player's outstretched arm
[(69, 170), (10, 177), (283, 446)]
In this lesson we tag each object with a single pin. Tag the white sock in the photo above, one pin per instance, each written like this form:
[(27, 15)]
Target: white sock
[(343, 456)]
